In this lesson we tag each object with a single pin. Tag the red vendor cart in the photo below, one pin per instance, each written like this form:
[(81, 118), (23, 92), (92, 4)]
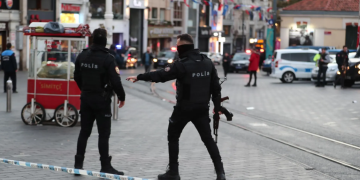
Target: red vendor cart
[(51, 85)]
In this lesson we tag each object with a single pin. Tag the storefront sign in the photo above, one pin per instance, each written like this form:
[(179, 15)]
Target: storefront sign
[(137, 4), (205, 32), (160, 32), (70, 8), (10, 4), (327, 32)]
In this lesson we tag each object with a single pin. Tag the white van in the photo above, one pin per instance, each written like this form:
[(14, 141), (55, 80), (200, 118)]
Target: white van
[(291, 64)]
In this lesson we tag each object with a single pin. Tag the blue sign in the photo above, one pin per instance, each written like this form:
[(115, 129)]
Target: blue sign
[(269, 42)]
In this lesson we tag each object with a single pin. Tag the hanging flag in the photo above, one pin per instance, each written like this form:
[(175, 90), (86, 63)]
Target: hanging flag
[(260, 16), (210, 4), (225, 9), (225, 1), (268, 9), (232, 1), (258, 8), (251, 15), (206, 3), (252, 7), (238, 6), (220, 6), (247, 12), (186, 3)]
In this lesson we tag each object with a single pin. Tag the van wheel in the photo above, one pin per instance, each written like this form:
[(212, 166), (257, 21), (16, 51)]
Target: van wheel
[(288, 77)]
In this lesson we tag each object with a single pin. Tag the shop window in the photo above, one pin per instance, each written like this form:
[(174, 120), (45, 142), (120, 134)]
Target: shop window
[(162, 15), (251, 35), (154, 13), (178, 23), (43, 5), (226, 31), (97, 8), (118, 9), (178, 14), (203, 16)]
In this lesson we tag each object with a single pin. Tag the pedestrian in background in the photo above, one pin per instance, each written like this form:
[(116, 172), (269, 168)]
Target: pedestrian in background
[(147, 59), (116, 55), (253, 66), (197, 81), (342, 60), (9, 66), (262, 59), (226, 63), (323, 66), (95, 71)]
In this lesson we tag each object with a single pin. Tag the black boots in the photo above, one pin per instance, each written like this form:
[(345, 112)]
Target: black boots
[(172, 173), (79, 161), (220, 176), (106, 166), (247, 85), (220, 173), (254, 85)]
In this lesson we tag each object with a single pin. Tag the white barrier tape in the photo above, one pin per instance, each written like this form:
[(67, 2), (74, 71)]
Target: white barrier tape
[(69, 170)]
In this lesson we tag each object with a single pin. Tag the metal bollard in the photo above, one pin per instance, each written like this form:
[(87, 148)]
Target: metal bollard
[(8, 97), (116, 108)]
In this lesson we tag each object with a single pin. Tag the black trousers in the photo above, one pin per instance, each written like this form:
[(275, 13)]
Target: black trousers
[(226, 69), (342, 77), (201, 122), (251, 74), (12, 76), (147, 68), (322, 70), (91, 110)]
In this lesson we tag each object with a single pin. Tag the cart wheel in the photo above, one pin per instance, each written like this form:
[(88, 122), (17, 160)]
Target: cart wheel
[(36, 118), (68, 120)]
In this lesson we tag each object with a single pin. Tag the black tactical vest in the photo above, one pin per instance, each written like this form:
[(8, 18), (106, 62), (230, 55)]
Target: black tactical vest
[(92, 71), (193, 90)]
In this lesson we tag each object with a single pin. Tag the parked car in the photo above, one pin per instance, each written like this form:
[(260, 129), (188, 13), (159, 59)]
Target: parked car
[(266, 66), (131, 57), (331, 73), (164, 58), (293, 64), (240, 62), (353, 72), (318, 48), (216, 58)]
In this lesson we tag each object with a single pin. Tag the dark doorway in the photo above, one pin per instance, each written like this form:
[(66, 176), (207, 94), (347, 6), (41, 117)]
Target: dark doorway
[(351, 36), (227, 48), (204, 44), (239, 44), (136, 29)]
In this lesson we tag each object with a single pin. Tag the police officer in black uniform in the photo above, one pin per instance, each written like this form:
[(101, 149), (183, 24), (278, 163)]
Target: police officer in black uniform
[(196, 82), (95, 72), (342, 60)]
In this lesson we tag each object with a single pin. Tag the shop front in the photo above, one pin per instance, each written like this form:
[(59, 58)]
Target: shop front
[(41, 11), (70, 13), (9, 21), (159, 38), (204, 36)]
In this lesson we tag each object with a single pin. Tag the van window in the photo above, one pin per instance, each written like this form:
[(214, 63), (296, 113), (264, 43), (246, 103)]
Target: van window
[(311, 57), (301, 57), (286, 57)]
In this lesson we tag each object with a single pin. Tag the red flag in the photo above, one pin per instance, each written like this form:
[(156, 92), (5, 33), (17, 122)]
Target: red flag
[(220, 6), (232, 1), (206, 3), (186, 3), (247, 12), (268, 9), (260, 15)]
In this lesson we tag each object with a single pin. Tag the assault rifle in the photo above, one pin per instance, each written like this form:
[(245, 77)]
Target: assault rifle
[(224, 111)]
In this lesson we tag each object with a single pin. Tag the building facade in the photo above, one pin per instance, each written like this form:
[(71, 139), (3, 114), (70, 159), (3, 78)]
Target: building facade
[(9, 23), (309, 23)]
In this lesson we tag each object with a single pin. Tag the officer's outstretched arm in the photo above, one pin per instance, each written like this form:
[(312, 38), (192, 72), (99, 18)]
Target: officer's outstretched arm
[(114, 77), (170, 72)]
